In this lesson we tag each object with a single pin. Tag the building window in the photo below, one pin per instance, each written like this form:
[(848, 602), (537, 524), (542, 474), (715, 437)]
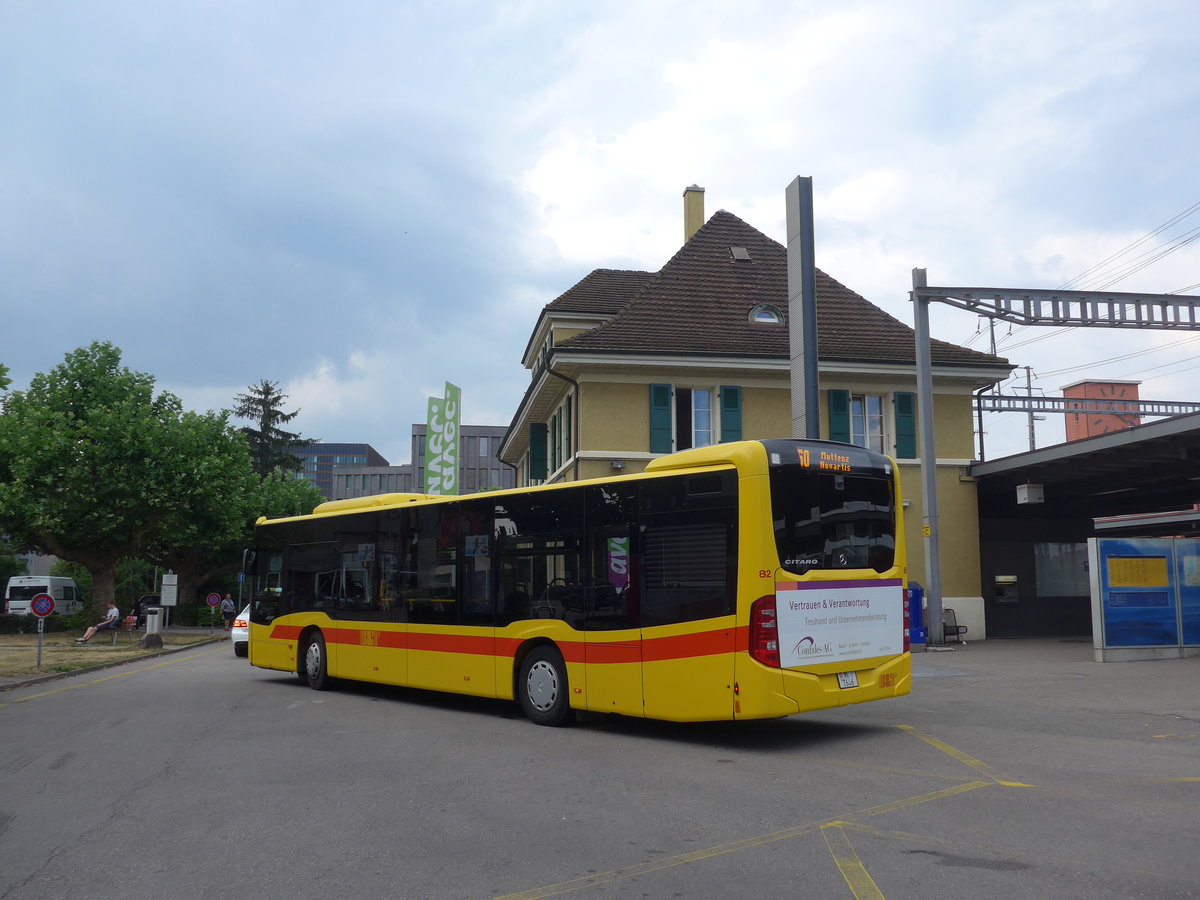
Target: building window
[(483, 447), (685, 417), (866, 421), (693, 418), (766, 315), (1061, 569)]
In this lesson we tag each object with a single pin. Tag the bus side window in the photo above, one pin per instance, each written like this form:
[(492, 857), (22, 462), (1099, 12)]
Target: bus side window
[(611, 516), (688, 548)]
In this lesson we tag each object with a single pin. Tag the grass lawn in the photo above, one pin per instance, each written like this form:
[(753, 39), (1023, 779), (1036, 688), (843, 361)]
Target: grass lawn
[(60, 653)]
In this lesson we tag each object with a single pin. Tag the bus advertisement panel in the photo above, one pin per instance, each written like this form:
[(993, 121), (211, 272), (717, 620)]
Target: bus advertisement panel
[(838, 621)]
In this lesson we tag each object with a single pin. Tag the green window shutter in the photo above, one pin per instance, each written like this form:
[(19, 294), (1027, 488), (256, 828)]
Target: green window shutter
[(660, 418), (731, 413), (839, 416), (555, 461), (567, 429), (537, 451), (905, 404)]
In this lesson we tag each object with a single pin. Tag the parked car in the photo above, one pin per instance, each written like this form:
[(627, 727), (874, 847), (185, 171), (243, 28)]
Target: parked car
[(140, 605), (240, 635)]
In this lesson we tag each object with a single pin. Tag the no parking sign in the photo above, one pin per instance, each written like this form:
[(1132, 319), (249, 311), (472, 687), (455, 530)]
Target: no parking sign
[(42, 605)]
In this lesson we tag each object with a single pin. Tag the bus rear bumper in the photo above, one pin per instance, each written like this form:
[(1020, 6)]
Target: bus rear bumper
[(765, 693)]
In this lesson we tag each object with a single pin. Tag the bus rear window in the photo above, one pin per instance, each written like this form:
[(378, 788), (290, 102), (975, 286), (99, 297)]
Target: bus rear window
[(833, 519)]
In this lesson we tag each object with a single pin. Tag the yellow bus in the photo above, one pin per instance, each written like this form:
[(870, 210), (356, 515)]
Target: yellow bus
[(747, 580)]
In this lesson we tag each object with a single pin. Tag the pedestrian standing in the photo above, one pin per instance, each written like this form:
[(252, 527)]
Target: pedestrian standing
[(227, 611)]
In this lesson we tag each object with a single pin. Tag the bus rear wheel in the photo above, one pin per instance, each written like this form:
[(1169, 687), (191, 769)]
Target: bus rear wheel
[(315, 666), (543, 687)]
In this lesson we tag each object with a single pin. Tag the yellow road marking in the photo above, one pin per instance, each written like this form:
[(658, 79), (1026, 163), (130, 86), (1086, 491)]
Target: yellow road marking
[(861, 885), (125, 674), (964, 758), (599, 878)]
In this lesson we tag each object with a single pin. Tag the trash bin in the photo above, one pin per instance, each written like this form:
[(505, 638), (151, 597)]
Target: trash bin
[(915, 595), (153, 619)]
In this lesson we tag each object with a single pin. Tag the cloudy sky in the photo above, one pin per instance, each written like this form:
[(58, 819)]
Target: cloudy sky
[(366, 199)]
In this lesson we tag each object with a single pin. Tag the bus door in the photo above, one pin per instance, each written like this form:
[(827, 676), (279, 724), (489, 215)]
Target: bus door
[(612, 645), (687, 569)]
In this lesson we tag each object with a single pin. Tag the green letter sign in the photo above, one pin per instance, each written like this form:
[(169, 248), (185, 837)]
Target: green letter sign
[(441, 442)]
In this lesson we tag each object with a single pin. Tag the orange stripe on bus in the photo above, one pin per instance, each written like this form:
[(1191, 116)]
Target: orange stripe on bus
[(687, 646), (658, 649), (285, 632)]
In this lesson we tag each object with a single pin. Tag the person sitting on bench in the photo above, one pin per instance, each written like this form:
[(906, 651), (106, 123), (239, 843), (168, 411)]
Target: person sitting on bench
[(111, 622)]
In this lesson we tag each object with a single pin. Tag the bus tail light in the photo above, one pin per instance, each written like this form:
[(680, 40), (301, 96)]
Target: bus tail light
[(907, 617), (764, 632)]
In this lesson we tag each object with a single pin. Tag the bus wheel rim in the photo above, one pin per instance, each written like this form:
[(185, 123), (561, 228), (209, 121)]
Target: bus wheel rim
[(542, 685), (312, 660)]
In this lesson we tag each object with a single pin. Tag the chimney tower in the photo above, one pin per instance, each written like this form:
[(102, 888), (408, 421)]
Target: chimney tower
[(693, 211)]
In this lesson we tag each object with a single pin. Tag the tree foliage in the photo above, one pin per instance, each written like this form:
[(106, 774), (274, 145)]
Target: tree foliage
[(10, 563), (202, 538), (281, 494), (95, 466), (5, 381), (269, 443), (201, 544)]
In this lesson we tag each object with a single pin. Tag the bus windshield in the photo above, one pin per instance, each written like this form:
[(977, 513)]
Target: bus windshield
[(833, 510)]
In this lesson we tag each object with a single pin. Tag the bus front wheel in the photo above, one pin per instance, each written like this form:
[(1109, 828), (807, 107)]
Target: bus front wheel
[(315, 663), (543, 688)]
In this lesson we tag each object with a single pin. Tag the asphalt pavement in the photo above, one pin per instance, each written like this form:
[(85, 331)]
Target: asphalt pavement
[(996, 671), (1015, 768)]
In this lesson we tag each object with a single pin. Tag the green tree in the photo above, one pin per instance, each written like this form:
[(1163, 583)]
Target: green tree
[(269, 443), (202, 537), (10, 564), (203, 543), (93, 462), (281, 494), (5, 381)]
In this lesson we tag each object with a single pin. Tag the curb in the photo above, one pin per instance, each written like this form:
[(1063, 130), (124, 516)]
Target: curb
[(55, 676)]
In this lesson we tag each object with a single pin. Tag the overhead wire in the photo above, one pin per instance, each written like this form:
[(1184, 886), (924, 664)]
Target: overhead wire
[(1111, 276), (1111, 359), (1130, 247), (1139, 262)]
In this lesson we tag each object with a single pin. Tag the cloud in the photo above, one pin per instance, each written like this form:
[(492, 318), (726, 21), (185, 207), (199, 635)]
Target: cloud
[(364, 203)]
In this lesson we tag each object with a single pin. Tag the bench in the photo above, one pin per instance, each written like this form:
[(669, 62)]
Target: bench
[(951, 630), (128, 626)]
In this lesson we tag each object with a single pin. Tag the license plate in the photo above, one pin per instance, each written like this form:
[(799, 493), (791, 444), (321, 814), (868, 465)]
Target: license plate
[(847, 679)]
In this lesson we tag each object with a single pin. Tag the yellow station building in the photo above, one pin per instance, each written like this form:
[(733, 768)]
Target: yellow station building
[(627, 366)]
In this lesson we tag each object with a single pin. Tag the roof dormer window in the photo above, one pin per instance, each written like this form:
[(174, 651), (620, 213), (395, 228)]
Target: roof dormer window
[(740, 253), (766, 314)]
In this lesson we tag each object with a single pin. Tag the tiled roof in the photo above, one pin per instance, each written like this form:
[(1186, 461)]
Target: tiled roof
[(602, 291), (700, 303)]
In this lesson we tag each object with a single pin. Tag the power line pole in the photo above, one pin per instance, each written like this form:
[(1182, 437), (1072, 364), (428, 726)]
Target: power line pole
[(1029, 392), (929, 528)]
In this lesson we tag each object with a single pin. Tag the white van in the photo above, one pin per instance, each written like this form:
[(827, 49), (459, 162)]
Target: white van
[(23, 588)]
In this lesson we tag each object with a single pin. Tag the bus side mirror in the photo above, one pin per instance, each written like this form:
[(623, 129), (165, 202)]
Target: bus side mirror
[(248, 557)]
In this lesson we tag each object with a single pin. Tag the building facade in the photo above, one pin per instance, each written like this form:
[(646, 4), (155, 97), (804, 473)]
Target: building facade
[(479, 469), (627, 366), (318, 460)]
